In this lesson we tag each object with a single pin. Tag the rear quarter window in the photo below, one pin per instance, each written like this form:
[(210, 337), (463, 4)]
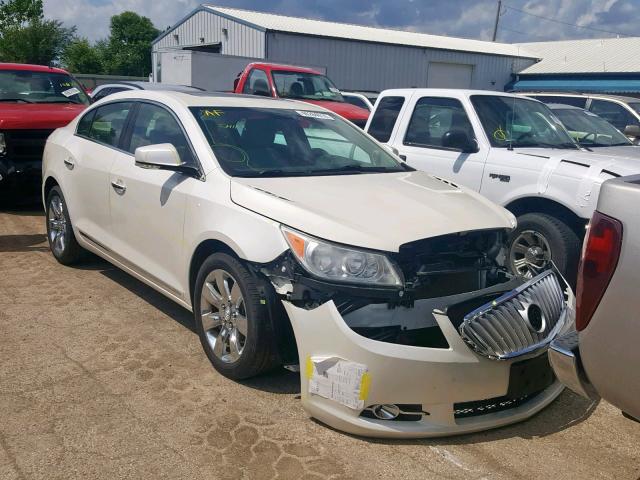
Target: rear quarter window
[(385, 117)]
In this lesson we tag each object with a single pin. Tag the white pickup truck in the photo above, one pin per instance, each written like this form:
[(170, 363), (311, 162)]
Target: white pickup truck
[(511, 149)]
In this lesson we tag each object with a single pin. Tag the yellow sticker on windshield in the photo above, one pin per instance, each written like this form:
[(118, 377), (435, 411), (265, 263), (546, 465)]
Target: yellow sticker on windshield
[(212, 113), (499, 134)]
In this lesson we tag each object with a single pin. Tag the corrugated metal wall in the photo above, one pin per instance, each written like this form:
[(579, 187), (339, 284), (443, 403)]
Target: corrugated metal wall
[(354, 65), (240, 39)]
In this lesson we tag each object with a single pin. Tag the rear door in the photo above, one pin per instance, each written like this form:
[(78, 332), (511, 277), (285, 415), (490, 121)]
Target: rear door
[(148, 205), (422, 138)]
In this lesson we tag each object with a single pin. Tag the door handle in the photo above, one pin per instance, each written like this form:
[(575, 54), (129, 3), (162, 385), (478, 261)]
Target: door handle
[(69, 163), (119, 187)]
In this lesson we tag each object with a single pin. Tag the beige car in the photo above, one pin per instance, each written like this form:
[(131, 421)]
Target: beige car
[(602, 357)]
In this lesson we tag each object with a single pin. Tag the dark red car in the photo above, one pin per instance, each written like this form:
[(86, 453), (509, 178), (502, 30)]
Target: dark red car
[(297, 83), (34, 101)]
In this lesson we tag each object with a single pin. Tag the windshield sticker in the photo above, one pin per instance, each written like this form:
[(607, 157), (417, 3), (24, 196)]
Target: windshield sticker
[(334, 90), (212, 113), (318, 115), (70, 92), (499, 134)]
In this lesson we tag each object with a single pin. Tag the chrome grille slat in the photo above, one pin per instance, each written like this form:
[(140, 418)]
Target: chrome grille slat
[(501, 329)]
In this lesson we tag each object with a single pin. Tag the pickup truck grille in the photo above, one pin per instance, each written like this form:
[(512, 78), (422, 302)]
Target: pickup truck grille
[(26, 145), (519, 322)]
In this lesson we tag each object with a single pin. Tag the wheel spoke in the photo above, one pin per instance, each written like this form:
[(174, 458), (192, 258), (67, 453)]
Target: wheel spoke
[(234, 348), (529, 238), (236, 295), (222, 284), (220, 347), (241, 324), (56, 207), (519, 248), (211, 295), (210, 320)]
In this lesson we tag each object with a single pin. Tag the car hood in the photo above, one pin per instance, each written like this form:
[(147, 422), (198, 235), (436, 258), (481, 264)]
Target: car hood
[(604, 160), (379, 211), (344, 109), (628, 151), (20, 116)]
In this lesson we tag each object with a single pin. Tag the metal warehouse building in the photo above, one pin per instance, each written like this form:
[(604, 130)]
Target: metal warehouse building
[(355, 57)]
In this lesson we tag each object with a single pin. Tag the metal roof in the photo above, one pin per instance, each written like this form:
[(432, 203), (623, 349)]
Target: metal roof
[(307, 26), (610, 55)]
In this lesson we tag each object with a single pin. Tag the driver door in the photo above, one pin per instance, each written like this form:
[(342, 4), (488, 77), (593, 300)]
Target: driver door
[(428, 123), (148, 205)]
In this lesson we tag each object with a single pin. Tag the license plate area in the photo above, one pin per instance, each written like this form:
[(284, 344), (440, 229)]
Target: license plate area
[(530, 376)]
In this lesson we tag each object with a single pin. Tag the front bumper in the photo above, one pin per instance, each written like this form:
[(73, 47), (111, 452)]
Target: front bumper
[(442, 381), (564, 356), (13, 173)]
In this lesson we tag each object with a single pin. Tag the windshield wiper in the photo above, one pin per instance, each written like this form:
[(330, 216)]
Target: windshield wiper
[(62, 100), (15, 100), (565, 145), (356, 169)]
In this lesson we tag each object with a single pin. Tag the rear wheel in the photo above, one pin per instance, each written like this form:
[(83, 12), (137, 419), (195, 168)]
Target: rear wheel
[(233, 323), (62, 240), (539, 239)]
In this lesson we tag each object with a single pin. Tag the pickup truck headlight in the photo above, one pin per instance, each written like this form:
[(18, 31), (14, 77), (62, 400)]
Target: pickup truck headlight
[(3, 144), (343, 264)]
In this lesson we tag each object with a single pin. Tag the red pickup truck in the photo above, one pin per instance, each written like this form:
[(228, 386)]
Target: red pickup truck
[(34, 101), (285, 81)]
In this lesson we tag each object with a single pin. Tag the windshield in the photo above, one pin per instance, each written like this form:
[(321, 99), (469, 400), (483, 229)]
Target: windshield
[(589, 129), (635, 106), (262, 142), (40, 87), (310, 86), (512, 122)]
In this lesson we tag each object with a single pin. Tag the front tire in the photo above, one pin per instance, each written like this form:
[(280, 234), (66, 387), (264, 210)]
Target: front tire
[(539, 239), (62, 240), (232, 319)]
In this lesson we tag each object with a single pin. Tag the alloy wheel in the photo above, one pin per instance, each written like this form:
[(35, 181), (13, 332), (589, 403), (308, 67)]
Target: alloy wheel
[(57, 226), (223, 316), (530, 253)]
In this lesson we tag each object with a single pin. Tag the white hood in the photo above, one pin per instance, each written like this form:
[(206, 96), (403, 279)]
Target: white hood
[(626, 151), (378, 211)]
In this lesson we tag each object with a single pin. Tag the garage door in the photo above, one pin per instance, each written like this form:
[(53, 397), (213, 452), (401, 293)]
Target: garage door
[(449, 75)]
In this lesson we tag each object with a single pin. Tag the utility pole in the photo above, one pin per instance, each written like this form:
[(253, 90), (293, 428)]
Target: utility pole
[(495, 27)]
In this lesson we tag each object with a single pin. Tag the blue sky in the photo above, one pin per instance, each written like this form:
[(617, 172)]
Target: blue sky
[(465, 18)]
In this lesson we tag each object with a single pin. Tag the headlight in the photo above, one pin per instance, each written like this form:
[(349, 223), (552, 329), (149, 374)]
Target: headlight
[(333, 262), (3, 144)]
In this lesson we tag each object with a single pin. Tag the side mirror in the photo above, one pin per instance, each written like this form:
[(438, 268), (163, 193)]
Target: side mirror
[(632, 131), (459, 140), (162, 156)]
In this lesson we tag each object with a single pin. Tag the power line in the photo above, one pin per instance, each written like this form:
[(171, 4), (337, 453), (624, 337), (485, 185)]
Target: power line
[(561, 22)]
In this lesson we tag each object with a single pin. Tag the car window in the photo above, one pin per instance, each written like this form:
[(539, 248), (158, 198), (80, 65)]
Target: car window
[(257, 83), (108, 123), (588, 129), (384, 118), (575, 101), (613, 113), (154, 125), (357, 101), (434, 119), (84, 125), (107, 91), (255, 142)]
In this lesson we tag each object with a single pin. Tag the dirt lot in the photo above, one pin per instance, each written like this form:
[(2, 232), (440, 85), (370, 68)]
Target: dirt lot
[(101, 377)]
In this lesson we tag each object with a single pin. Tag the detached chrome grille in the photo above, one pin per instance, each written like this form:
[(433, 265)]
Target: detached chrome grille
[(518, 322)]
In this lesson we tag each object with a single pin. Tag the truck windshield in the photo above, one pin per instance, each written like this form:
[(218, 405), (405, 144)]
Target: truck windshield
[(40, 87), (268, 142), (309, 86), (512, 122), (589, 129)]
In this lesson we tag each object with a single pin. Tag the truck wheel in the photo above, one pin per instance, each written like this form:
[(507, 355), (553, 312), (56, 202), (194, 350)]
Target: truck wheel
[(233, 324), (62, 240), (540, 238)]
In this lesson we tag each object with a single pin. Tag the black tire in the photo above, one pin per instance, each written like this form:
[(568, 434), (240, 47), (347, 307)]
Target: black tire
[(259, 352), (72, 252), (563, 242)]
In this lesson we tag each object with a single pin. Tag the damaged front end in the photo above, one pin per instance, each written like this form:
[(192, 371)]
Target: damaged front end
[(445, 341)]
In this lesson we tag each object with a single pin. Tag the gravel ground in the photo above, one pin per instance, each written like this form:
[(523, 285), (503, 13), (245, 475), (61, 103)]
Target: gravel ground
[(102, 377)]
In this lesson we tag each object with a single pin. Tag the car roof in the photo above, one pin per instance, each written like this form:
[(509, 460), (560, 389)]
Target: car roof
[(448, 92), (211, 99), (282, 66), (620, 98), (152, 86), (31, 68)]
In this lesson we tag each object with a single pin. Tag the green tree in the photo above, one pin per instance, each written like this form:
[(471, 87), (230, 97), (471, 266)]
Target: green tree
[(15, 13), (80, 57), (39, 41), (128, 49)]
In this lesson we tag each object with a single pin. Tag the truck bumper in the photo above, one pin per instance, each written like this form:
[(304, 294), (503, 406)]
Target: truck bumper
[(431, 391), (16, 177), (564, 356)]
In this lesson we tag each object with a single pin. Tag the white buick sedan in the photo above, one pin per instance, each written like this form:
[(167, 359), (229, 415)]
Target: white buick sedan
[(296, 239)]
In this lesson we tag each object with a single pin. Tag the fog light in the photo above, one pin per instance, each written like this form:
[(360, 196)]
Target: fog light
[(386, 412)]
